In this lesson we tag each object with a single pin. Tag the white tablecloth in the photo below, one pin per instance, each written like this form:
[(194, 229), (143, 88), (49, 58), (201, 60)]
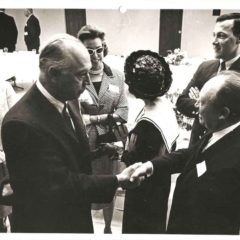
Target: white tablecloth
[(23, 65)]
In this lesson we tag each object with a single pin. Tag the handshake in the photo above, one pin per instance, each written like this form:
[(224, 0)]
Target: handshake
[(133, 175)]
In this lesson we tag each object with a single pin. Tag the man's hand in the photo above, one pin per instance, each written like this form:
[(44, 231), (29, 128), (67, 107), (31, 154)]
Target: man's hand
[(125, 175), (194, 93), (145, 170)]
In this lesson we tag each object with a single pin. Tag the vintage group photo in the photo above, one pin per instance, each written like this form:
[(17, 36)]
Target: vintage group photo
[(120, 121)]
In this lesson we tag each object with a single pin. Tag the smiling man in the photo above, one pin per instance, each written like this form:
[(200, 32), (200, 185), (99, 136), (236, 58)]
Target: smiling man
[(206, 199), (226, 39)]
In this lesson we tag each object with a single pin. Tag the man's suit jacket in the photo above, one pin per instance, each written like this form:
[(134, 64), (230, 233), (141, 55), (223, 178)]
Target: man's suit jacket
[(32, 32), (8, 32), (208, 203), (185, 104), (50, 168)]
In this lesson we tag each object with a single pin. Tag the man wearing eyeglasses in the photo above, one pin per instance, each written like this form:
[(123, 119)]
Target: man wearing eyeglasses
[(105, 95)]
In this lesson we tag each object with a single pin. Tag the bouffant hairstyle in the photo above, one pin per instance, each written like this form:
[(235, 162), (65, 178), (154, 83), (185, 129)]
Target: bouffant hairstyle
[(92, 32), (147, 74)]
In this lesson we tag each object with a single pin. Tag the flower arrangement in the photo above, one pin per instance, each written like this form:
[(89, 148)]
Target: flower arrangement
[(183, 121), (176, 57)]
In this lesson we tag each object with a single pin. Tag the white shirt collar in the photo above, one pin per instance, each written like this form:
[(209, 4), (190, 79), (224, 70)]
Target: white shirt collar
[(231, 61), (56, 103), (220, 134)]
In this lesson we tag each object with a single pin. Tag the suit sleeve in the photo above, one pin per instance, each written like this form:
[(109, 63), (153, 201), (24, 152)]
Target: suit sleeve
[(34, 28), (173, 162), (39, 169), (14, 31), (184, 103)]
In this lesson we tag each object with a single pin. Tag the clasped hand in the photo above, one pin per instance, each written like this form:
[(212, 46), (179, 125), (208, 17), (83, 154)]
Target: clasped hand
[(133, 175)]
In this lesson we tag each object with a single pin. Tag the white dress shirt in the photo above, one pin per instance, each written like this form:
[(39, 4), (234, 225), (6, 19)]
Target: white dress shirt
[(218, 135), (229, 63)]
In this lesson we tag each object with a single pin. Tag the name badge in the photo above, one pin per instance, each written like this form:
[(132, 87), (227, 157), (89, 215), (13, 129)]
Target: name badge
[(113, 88), (201, 168)]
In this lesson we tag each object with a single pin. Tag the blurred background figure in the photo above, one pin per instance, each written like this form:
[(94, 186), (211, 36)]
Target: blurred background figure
[(7, 100), (155, 133), (8, 32), (105, 95), (32, 31)]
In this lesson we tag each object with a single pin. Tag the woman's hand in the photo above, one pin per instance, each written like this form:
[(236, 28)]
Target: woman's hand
[(131, 143)]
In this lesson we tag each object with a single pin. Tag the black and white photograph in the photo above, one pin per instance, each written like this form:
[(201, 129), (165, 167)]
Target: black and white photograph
[(119, 120)]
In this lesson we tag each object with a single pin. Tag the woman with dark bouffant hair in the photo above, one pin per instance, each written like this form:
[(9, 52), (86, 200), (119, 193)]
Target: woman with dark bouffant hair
[(155, 133)]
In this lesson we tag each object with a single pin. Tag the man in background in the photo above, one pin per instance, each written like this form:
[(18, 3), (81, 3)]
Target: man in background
[(226, 39), (8, 32), (32, 31)]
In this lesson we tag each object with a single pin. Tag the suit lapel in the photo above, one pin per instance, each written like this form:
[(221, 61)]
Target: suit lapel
[(93, 92), (196, 151), (80, 129), (105, 85), (224, 141), (51, 117), (235, 65)]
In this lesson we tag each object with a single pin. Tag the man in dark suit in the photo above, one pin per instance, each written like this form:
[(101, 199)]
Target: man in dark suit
[(207, 194), (32, 31), (226, 48), (8, 32), (47, 150)]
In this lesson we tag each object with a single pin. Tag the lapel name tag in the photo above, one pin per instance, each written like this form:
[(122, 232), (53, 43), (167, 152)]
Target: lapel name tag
[(201, 168), (113, 88)]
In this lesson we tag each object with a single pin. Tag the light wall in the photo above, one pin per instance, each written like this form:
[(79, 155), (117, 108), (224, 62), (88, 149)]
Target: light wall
[(133, 30), (197, 32), (197, 28), (51, 21), (126, 32)]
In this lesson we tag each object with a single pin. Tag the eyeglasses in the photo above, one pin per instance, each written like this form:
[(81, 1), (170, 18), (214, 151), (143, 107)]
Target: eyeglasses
[(92, 51)]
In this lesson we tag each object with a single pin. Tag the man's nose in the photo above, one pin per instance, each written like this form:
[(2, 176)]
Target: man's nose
[(215, 41)]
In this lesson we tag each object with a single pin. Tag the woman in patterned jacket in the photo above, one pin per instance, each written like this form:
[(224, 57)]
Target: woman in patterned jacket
[(105, 95)]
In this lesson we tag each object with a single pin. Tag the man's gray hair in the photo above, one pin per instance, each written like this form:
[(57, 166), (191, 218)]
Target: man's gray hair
[(53, 53)]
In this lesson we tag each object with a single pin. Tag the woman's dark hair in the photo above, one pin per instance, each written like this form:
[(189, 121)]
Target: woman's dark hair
[(92, 32), (147, 74)]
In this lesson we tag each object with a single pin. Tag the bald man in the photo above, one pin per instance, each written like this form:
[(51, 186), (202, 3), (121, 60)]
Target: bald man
[(207, 194)]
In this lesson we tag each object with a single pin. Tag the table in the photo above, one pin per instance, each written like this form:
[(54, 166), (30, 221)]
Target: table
[(22, 65)]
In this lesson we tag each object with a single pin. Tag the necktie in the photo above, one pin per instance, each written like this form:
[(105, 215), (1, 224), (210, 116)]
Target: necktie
[(207, 142), (67, 117), (222, 66)]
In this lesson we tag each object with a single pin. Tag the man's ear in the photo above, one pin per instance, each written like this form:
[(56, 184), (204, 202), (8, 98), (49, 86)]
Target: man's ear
[(225, 113), (53, 72)]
